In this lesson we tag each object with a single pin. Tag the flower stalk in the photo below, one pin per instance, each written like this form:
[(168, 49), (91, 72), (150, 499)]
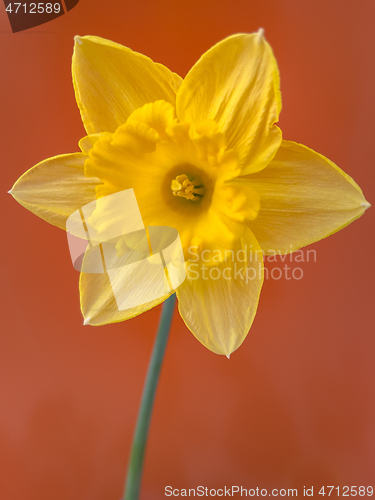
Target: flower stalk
[(135, 469)]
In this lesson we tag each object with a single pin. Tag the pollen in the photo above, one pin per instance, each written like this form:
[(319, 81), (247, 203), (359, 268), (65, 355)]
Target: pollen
[(185, 188)]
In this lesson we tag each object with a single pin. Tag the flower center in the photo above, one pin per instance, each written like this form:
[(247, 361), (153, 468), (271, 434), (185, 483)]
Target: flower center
[(185, 188)]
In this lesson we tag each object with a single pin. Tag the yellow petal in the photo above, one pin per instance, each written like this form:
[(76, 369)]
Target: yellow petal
[(218, 303), (111, 81), (236, 84), (55, 188), (304, 197), (98, 302)]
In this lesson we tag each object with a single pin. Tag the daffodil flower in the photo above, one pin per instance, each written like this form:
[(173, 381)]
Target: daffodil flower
[(203, 155)]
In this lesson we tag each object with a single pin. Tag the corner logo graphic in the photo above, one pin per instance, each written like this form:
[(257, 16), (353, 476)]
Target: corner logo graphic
[(142, 263), (25, 15)]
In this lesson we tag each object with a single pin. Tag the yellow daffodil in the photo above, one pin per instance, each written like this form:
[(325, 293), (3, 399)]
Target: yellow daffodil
[(203, 155)]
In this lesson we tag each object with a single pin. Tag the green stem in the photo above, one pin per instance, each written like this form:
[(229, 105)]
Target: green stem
[(134, 476)]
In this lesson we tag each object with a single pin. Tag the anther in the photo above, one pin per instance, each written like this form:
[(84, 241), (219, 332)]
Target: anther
[(185, 188)]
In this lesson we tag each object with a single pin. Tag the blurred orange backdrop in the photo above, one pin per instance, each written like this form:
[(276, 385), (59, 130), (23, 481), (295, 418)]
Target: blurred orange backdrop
[(294, 406)]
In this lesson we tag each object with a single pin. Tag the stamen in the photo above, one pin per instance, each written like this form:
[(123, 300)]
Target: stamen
[(185, 188)]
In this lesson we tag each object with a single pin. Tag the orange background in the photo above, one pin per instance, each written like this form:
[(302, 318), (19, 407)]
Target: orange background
[(295, 404)]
